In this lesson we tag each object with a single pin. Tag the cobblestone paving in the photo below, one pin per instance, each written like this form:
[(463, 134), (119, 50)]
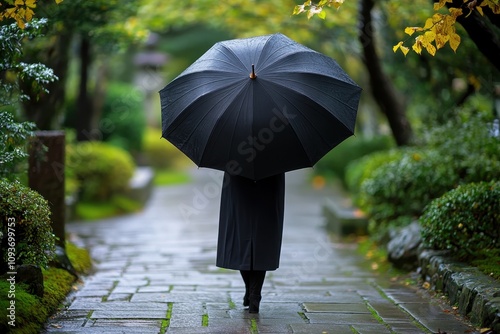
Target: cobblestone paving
[(155, 273)]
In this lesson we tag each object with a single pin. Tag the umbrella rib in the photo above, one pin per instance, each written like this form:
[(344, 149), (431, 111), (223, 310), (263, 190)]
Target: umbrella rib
[(305, 117), (234, 55), (310, 86), (218, 120), (192, 88)]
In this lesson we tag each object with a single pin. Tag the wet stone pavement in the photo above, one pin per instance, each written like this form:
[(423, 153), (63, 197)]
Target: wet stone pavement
[(155, 273)]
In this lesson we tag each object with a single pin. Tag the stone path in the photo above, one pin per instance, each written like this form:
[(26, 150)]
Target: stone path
[(155, 273)]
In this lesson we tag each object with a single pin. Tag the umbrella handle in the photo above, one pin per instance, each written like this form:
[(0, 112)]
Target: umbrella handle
[(252, 75)]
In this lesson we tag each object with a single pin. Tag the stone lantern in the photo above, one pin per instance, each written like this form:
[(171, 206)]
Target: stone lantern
[(148, 76)]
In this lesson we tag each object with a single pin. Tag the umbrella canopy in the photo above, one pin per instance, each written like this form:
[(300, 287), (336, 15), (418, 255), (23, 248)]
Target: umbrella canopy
[(259, 106)]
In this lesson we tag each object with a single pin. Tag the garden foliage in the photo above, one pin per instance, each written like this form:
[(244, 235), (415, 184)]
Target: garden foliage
[(396, 191), (123, 121), (159, 153), (14, 137), (38, 74), (336, 161), (27, 214), (102, 170), (464, 220)]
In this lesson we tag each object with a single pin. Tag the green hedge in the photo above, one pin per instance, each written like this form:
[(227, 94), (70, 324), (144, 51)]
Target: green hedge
[(403, 187), (396, 191), (464, 220), (161, 154), (359, 170), (336, 161), (25, 222), (101, 169), (474, 154), (123, 120)]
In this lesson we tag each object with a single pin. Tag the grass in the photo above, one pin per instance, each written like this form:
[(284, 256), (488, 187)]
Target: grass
[(31, 312), (204, 320), (120, 205), (168, 177), (488, 262), (254, 329)]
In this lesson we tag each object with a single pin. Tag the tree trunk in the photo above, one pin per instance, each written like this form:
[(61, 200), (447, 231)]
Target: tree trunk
[(385, 94), (45, 110), (482, 34), (83, 105)]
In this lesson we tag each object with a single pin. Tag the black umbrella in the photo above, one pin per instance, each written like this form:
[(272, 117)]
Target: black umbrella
[(259, 107)]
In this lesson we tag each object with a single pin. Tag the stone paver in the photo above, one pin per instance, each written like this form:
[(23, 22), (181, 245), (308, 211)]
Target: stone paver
[(155, 273)]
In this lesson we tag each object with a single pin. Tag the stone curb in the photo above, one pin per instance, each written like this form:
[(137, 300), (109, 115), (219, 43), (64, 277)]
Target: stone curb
[(476, 294)]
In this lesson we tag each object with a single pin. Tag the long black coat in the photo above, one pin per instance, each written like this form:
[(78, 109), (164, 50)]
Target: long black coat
[(251, 223)]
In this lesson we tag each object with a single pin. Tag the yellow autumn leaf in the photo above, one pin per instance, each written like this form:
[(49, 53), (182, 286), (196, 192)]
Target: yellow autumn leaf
[(298, 9), (436, 18), (59, 1), (440, 4), (428, 23), (454, 41), (397, 46), (29, 14), (411, 30), (19, 3), (480, 10), (431, 49), (337, 3), (417, 46), (10, 12), (428, 37), (20, 22), (30, 3), (456, 12), (405, 50), (441, 40)]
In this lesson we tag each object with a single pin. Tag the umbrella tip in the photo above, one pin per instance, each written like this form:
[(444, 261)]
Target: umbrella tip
[(252, 75)]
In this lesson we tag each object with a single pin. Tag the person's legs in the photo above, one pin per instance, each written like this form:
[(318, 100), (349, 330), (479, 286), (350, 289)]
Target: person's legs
[(245, 274), (256, 282)]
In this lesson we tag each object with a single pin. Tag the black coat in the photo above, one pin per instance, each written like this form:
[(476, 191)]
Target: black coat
[(251, 223)]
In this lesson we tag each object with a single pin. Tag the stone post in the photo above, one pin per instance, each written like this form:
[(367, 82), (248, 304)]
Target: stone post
[(46, 176)]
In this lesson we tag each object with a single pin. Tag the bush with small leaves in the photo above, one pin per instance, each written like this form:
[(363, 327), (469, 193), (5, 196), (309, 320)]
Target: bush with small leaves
[(25, 227), (473, 151), (13, 151), (123, 119), (161, 154), (405, 186), (361, 169), (336, 161), (101, 169), (464, 220)]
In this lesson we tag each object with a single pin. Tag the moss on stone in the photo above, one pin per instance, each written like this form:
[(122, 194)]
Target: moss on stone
[(32, 312)]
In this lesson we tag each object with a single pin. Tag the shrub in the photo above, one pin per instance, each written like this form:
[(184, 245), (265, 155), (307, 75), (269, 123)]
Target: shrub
[(13, 139), (25, 217), (123, 121), (464, 220), (359, 170), (336, 161), (405, 186), (396, 193), (474, 153), (159, 153), (101, 169)]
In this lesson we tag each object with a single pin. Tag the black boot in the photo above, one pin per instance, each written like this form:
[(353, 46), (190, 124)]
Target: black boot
[(256, 282), (245, 274)]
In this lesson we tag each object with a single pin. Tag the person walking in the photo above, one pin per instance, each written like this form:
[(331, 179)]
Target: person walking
[(250, 230)]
